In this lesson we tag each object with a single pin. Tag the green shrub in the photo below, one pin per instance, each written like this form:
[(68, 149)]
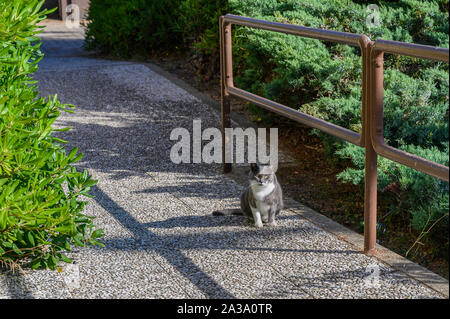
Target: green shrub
[(125, 28), (40, 191), (197, 21)]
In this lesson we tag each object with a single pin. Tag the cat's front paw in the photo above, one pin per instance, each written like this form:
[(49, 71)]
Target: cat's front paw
[(259, 225), (272, 223)]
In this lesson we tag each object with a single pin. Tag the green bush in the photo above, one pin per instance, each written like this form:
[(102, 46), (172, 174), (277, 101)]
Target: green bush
[(128, 27), (140, 27), (197, 22), (40, 191)]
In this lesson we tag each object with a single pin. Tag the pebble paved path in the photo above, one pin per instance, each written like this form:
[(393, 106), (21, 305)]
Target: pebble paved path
[(161, 240)]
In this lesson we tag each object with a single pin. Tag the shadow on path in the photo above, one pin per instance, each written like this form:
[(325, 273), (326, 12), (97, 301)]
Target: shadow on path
[(189, 269), (170, 246)]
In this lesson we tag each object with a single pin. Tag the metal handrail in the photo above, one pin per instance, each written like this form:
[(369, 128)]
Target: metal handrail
[(320, 34), (327, 127), (325, 35), (376, 109), (371, 137)]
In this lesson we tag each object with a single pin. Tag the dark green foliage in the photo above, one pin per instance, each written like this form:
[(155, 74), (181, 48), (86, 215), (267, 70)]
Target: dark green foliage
[(134, 26), (198, 23), (40, 207), (126, 28)]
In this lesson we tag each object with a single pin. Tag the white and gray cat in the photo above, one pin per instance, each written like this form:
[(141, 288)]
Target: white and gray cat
[(262, 200)]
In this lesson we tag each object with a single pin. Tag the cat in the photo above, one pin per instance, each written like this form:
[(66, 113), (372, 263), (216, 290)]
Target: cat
[(262, 200)]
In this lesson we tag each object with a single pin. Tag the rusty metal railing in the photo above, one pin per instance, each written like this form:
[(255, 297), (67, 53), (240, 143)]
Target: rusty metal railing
[(371, 137), (376, 113)]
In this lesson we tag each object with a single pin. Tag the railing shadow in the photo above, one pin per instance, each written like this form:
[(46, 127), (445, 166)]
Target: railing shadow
[(170, 246), (188, 269)]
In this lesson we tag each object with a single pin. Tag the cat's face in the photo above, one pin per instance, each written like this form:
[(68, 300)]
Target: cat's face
[(261, 174)]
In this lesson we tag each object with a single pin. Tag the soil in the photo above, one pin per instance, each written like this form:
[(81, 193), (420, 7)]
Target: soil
[(311, 179)]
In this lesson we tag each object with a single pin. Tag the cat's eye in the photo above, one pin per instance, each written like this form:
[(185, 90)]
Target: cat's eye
[(266, 177)]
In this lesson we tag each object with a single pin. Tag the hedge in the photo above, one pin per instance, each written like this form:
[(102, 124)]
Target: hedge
[(41, 192)]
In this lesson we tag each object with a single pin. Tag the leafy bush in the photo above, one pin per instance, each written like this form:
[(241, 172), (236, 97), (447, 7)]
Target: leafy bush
[(197, 22), (40, 208), (129, 27)]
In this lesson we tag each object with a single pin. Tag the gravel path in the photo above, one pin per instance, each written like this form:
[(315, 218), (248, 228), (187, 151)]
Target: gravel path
[(161, 240)]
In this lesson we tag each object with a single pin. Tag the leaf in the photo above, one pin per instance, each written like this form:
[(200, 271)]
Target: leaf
[(63, 229), (76, 159), (54, 259), (72, 153), (35, 263), (31, 238), (62, 130), (90, 183), (3, 219), (65, 259), (59, 140), (97, 233)]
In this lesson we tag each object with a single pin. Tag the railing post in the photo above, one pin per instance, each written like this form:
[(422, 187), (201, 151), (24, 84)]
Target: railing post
[(371, 176), (225, 78)]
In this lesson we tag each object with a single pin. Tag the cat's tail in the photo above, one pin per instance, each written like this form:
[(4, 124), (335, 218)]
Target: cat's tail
[(227, 212)]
